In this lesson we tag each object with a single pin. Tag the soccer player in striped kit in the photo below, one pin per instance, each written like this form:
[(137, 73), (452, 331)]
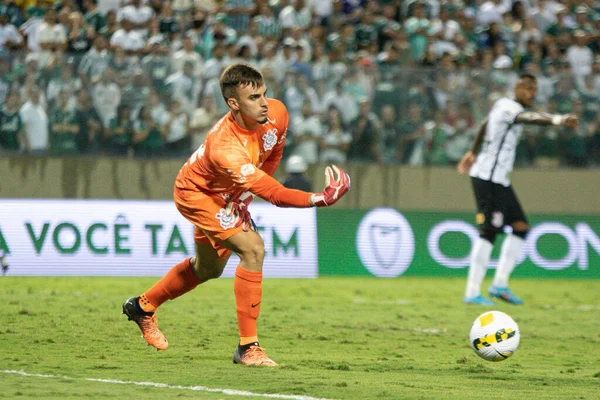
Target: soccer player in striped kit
[(489, 164)]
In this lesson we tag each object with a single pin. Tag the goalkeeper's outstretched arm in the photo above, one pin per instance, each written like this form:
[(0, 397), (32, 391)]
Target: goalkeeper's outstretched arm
[(337, 183)]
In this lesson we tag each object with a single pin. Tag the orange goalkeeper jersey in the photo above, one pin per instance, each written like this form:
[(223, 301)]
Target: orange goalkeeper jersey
[(233, 159)]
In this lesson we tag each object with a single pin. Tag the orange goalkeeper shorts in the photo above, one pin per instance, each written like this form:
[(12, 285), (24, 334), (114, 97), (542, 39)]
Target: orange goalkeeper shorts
[(207, 213)]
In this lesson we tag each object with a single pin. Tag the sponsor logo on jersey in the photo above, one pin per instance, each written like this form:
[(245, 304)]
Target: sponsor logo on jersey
[(247, 169), (480, 218)]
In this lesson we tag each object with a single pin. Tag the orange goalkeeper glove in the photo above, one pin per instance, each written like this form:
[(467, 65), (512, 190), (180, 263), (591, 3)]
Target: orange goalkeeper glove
[(239, 207), (335, 187)]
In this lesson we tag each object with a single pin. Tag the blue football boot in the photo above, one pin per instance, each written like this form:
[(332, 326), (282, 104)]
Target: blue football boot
[(504, 294), (478, 300)]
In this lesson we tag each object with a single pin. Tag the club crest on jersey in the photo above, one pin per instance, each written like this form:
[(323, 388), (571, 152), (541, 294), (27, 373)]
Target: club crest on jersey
[(226, 221), (497, 219), (270, 139)]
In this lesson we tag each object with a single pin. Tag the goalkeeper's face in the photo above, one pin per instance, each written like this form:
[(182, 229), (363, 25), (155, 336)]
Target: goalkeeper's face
[(252, 103)]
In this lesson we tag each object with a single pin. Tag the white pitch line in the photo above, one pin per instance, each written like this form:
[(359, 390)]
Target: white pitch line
[(231, 392)]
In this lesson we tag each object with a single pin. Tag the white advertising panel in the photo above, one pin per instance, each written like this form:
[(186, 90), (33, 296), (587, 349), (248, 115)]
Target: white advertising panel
[(137, 238)]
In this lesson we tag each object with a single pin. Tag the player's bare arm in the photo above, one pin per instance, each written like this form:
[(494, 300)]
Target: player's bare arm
[(525, 94), (542, 118), (479, 138), (469, 158)]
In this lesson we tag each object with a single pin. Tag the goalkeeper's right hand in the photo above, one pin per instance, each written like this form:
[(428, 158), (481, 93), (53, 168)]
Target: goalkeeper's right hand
[(239, 207), (335, 188)]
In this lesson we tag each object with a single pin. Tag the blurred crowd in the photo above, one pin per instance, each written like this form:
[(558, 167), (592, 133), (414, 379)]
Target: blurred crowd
[(388, 81)]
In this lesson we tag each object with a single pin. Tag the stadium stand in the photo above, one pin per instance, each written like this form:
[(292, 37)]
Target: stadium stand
[(388, 81)]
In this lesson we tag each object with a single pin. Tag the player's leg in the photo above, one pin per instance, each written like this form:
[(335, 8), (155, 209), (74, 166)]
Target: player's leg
[(185, 276), (182, 278), (511, 248), (200, 210), (480, 259), (484, 244), (247, 285)]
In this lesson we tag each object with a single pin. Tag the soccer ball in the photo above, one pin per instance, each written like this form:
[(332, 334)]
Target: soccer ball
[(494, 336)]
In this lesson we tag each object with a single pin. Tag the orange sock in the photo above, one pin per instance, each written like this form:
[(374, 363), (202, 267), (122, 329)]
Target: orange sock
[(247, 286), (178, 281)]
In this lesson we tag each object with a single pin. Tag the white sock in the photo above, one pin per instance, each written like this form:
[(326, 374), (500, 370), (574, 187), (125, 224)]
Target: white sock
[(480, 258), (511, 248)]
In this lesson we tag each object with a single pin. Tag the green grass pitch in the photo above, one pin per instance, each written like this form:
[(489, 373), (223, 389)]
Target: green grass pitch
[(335, 338)]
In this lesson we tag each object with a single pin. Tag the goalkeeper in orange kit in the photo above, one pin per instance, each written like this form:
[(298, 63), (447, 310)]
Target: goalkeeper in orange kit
[(213, 190)]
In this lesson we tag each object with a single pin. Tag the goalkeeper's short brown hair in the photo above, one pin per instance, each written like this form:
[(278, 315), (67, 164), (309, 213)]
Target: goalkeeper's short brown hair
[(237, 75)]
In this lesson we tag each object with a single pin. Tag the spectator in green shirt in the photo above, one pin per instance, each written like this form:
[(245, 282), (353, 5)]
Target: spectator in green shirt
[(111, 25), (63, 127), (366, 30), (572, 143), (10, 124), (589, 97), (157, 66), (437, 154), (418, 29), (168, 24), (468, 26), (560, 26), (268, 25), (6, 79), (147, 138), (90, 124), (12, 12), (92, 16), (411, 132), (593, 141), (583, 21), (36, 10), (120, 133), (564, 95)]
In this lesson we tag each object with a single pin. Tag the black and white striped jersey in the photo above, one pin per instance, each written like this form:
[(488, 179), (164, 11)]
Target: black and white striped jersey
[(497, 155)]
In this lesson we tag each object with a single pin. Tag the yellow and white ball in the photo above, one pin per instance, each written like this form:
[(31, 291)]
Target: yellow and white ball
[(494, 336)]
